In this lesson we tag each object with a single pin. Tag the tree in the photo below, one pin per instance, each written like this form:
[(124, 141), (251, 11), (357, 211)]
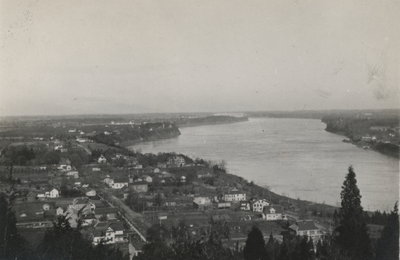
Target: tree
[(11, 243), (62, 242), (255, 245), (388, 244), (350, 235)]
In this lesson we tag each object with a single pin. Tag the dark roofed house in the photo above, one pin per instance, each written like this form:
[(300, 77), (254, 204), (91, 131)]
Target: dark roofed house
[(109, 233), (306, 228), (107, 213)]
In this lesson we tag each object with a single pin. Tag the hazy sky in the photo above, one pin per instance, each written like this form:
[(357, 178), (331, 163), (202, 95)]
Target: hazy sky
[(108, 56)]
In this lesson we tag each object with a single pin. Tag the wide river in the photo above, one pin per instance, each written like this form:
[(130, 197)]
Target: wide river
[(294, 157)]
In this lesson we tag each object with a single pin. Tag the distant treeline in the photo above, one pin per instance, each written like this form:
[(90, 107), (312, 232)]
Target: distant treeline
[(209, 120)]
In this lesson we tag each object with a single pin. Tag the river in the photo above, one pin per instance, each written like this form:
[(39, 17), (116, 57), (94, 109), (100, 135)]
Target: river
[(293, 157)]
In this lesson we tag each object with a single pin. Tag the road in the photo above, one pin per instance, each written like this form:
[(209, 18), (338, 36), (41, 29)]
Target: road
[(133, 219)]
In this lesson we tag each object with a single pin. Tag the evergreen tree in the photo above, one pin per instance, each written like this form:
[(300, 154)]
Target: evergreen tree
[(11, 244), (351, 233), (255, 245), (271, 248), (62, 242), (388, 244)]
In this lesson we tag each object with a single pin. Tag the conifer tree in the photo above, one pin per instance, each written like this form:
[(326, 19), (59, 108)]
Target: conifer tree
[(11, 243), (351, 236), (388, 244), (255, 245)]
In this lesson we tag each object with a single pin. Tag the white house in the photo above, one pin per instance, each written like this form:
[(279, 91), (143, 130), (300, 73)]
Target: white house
[(91, 193), (259, 205), (234, 196), (183, 179), (64, 167), (109, 233), (54, 193), (102, 159), (119, 183), (176, 161), (245, 206), (74, 174), (272, 213), (202, 201)]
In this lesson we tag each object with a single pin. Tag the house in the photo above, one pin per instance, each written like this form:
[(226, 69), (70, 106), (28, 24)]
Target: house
[(59, 211), (224, 205), (183, 179), (106, 213), (306, 228), (119, 183), (176, 161), (88, 220), (102, 159), (74, 174), (204, 175), (54, 193), (147, 178), (201, 202), (79, 209), (91, 193), (259, 205), (234, 196), (64, 167), (272, 213), (109, 233), (140, 186), (245, 206), (108, 181)]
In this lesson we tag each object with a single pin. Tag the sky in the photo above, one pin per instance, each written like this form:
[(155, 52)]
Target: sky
[(138, 56)]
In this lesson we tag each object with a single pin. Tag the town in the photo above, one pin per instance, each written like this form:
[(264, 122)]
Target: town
[(116, 195)]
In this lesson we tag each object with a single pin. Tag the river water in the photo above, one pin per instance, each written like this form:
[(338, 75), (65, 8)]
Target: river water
[(294, 157)]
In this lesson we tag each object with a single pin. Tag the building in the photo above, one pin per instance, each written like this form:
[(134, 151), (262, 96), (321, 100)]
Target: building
[(74, 174), (201, 202), (102, 159), (64, 167), (109, 233), (245, 206), (259, 205), (91, 193), (224, 205), (306, 228), (176, 161), (234, 196), (183, 179), (141, 186), (147, 178), (272, 213), (119, 183), (54, 193), (106, 213)]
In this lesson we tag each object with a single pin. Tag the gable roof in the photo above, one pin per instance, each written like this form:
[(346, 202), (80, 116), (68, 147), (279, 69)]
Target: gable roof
[(304, 225)]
